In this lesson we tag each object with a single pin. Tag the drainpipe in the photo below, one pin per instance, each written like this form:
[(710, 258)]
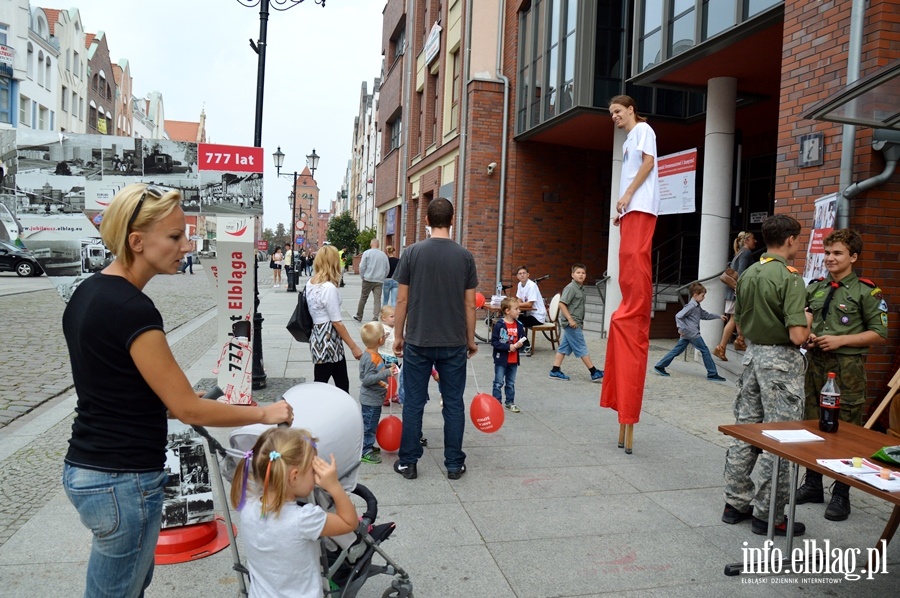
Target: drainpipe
[(408, 60), (503, 145), (887, 142), (848, 137), (464, 123)]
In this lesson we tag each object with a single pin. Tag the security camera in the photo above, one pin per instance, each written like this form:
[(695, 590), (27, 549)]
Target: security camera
[(491, 167)]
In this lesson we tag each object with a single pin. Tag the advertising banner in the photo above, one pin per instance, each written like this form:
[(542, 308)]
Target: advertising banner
[(823, 224), (235, 260), (677, 180)]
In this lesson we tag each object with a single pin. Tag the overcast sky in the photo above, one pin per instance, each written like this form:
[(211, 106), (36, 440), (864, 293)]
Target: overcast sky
[(197, 53)]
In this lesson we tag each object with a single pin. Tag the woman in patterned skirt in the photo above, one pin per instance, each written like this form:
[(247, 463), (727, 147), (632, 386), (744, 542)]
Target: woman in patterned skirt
[(329, 333)]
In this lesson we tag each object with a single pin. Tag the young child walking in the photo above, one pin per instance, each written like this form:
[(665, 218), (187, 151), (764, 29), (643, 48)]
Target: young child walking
[(507, 337), (571, 308), (386, 351), (280, 535), (688, 322), (373, 377)]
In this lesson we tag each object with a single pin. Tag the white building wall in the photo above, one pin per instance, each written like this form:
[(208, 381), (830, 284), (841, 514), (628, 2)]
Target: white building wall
[(39, 92), (15, 18), (72, 69)]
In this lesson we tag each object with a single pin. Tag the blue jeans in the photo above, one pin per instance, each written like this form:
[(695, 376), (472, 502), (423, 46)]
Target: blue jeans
[(450, 363), (679, 348), (389, 292), (124, 512), (371, 416), (507, 372)]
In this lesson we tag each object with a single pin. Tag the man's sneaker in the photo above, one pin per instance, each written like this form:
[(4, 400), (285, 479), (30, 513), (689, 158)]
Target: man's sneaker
[(760, 527), (732, 515), (597, 376), (371, 457), (811, 490), (407, 471), (456, 473), (716, 378), (558, 375), (661, 371), (513, 407), (357, 318)]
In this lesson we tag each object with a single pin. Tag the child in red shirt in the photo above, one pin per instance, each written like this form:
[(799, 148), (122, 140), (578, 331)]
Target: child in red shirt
[(507, 338)]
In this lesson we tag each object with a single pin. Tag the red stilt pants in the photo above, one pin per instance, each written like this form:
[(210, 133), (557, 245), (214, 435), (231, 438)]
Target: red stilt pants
[(629, 328)]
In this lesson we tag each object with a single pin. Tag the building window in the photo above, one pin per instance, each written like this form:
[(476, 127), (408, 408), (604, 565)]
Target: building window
[(48, 79), (80, 108), (40, 67), (681, 27), (651, 35), (65, 99), (24, 111), (95, 82), (108, 92), (76, 60), (569, 48), (92, 117), (435, 106), (75, 104), (4, 34), (68, 61), (455, 91), (718, 15), (396, 128), (43, 118), (551, 59), (420, 101), (5, 108), (29, 62), (398, 44)]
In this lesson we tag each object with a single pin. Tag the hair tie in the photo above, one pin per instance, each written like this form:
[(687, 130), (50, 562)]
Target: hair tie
[(274, 455), (248, 462)]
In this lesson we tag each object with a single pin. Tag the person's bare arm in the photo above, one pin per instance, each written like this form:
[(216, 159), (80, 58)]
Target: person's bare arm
[(830, 342), (348, 340), (470, 322), (567, 316), (400, 318), (157, 365)]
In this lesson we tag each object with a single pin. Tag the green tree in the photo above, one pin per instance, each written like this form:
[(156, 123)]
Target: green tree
[(342, 232), (364, 238), (280, 238), (268, 235)]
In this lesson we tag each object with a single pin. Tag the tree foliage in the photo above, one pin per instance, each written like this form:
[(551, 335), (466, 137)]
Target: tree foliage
[(280, 238), (342, 232), (364, 238)]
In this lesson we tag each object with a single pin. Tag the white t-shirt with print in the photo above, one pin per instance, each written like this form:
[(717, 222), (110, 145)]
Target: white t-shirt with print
[(531, 292), (283, 550), (324, 302), (641, 140)]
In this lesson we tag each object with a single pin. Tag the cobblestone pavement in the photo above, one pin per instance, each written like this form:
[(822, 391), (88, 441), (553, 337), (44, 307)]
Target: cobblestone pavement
[(34, 362)]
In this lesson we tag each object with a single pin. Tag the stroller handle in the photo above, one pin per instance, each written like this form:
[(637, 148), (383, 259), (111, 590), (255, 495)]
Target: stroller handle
[(371, 513)]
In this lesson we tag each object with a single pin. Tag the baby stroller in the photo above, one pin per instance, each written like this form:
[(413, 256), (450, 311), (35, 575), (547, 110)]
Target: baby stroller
[(347, 561)]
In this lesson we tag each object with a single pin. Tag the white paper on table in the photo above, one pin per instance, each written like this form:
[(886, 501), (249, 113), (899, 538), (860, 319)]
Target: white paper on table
[(792, 435)]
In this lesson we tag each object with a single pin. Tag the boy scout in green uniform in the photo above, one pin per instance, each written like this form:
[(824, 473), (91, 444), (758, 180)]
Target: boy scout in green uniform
[(770, 311), (849, 316)]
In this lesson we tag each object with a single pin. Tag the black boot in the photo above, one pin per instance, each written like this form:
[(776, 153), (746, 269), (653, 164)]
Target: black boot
[(811, 490), (839, 508)]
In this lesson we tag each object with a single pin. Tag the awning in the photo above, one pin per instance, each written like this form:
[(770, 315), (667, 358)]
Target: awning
[(869, 102)]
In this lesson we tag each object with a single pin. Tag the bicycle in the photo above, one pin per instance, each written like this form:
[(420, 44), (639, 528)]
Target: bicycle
[(493, 314)]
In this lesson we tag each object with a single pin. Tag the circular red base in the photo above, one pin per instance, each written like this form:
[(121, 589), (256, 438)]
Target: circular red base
[(191, 542)]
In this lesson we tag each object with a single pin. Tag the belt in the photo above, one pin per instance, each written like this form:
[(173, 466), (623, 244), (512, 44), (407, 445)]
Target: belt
[(789, 345)]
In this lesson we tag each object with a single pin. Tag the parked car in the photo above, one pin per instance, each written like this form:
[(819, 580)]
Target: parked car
[(18, 260)]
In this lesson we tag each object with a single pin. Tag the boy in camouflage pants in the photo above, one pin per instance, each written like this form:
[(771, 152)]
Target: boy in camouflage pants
[(849, 316), (770, 311)]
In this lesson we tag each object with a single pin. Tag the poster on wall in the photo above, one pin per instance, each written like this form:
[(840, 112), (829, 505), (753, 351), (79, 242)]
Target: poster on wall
[(677, 180), (188, 492), (823, 224)]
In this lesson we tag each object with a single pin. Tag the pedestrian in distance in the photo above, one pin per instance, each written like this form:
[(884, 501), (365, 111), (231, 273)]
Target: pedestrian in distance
[(389, 290), (277, 263), (128, 383), (744, 244), (373, 269), (281, 535), (635, 214), (688, 322), (435, 328), (849, 316), (326, 343), (373, 377), (288, 262), (770, 311), (571, 306), (507, 338)]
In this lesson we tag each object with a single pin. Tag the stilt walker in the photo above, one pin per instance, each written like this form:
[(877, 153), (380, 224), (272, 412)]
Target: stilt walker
[(636, 210)]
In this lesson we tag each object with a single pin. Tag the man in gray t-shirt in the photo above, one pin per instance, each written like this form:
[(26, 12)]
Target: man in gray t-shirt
[(435, 328)]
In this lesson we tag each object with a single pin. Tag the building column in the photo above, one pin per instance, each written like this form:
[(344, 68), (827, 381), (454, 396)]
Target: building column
[(613, 292), (718, 186)]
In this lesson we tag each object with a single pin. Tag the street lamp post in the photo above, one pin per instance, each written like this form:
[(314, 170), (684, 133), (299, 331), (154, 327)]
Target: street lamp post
[(312, 162), (259, 374)]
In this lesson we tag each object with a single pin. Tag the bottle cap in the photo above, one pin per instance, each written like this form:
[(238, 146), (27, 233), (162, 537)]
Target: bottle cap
[(831, 375)]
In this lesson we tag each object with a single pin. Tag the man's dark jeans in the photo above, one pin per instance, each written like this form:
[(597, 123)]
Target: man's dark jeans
[(450, 363)]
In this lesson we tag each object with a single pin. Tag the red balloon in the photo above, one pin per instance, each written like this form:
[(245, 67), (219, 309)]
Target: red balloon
[(486, 413), (388, 433), (479, 300), (391, 388)]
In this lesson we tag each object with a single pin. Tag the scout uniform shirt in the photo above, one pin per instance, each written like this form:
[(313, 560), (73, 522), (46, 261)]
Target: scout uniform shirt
[(770, 299), (856, 305)]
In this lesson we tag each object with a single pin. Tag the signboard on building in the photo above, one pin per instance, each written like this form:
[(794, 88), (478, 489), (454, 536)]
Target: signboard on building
[(677, 182), (823, 224), (433, 43), (390, 221)]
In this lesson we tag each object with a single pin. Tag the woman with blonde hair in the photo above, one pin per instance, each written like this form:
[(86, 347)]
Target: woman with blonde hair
[(128, 382), (329, 333), (744, 244)]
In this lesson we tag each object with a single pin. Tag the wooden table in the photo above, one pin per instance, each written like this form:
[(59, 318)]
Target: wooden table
[(848, 441)]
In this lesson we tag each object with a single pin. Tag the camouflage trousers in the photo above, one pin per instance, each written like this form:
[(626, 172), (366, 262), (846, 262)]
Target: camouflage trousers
[(770, 389), (850, 375)]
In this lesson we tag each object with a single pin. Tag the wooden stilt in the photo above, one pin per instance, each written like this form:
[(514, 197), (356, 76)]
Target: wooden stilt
[(629, 438), (621, 435)]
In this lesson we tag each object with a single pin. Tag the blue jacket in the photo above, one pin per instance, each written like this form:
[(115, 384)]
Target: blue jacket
[(500, 341)]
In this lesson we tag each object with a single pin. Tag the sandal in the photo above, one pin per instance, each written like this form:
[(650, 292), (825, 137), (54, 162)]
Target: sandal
[(719, 352), (740, 344)]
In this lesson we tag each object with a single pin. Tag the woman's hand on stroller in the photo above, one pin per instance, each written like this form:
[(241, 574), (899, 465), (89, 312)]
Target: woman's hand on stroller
[(278, 412)]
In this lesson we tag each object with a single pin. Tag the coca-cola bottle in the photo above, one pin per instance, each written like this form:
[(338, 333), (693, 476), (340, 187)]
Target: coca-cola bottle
[(829, 405)]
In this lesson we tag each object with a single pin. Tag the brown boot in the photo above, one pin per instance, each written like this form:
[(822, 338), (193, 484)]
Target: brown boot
[(719, 352)]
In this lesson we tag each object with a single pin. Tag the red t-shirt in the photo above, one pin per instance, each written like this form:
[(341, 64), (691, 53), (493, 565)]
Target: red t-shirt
[(512, 333)]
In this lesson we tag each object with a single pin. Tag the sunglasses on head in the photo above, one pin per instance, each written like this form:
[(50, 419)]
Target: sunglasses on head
[(148, 190)]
